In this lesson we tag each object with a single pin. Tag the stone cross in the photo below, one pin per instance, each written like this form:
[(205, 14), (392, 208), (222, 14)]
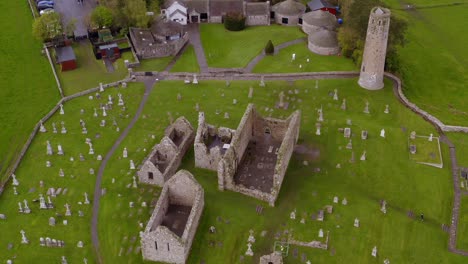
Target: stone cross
[(251, 92), (95, 113), (54, 128), (374, 251), (24, 240), (15, 181), (15, 192), (251, 237), (101, 87), (64, 130), (42, 128), (121, 102), (91, 150), (366, 108), (86, 201), (109, 99), (64, 260), (317, 132), (386, 111), (125, 153), (62, 112), (262, 81), (335, 95), (430, 137), (195, 80), (61, 173), (292, 215), (20, 208), (42, 202), (132, 165), (134, 184), (59, 150), (320, 112), (26, 208), (249, 251), (281, 99), (382, 133), (363, 156), (67, 212), (343, 105)]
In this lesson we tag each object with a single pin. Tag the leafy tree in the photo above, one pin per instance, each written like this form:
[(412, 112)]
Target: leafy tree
[(47, 27), (70, 27), (135, 13), (352, 34), (234, 21), (269, 48), (102, 17)]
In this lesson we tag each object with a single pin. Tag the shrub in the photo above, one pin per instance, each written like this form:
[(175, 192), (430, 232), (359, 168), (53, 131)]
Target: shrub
[(269, 48), (234, 21)]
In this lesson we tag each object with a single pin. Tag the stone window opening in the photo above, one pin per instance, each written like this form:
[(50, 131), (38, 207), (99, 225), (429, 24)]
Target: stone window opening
[(363, 68), (267, 131), (269, 262), (156, 245), (272, 15), (300, 21), (168, 249), (284, 20), (150, 177)]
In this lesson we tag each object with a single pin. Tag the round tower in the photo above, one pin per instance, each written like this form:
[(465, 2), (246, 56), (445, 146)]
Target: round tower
[(373, 61)]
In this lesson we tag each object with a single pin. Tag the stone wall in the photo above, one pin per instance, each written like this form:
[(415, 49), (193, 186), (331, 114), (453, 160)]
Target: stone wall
[(323, 50), (309, 29), (158, 243), (216, 19), (258, 20)]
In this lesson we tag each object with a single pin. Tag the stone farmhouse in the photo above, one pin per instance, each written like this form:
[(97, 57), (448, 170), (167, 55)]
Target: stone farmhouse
[(256, 161), (164, 38), (211, 144), (165, 158), (169, 234)]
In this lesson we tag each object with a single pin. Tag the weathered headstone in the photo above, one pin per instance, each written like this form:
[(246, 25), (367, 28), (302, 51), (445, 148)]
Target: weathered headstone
[(363, 156), (374, 251), (343, 105), (387, 110), (59, 150), (350, 144), (67, 212), (24, 239), (347, 132), (52, 221), (132, 165), (335, 199), (320, 234), (292, 215), (15, 181), (413, 135), (49, 148), (344, 201), (249, 251), (62, 112), (382, 133), (364, 134), (61, 173), (54, 128), (335, 95), (42, 128), (320, 216), (366, 108), (195, 80), (63, 130), (356, 222)]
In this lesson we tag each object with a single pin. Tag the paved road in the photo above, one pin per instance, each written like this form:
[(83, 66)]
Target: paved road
[(72, 9)]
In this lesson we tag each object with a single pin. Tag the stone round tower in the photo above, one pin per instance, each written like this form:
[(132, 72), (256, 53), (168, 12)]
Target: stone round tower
[(373, 61)]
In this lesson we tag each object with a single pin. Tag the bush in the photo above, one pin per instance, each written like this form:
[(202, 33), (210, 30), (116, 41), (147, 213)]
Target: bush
[(234, 21), (269, 48)]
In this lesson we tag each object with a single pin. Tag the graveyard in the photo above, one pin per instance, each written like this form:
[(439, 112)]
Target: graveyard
[(369, 181)]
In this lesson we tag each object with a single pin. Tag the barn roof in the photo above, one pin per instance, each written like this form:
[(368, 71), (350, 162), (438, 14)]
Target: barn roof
[(318, 4), (320, 18), (65, 54), (324, 38), (220, 7), (289, 7)]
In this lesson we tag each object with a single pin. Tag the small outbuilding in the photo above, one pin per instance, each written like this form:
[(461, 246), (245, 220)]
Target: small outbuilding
[(322, 5), (66, 58), (324, 42), (288, 12), (110, 51), (318, 20)]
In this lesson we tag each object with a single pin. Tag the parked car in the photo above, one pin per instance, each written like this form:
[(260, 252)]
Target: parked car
[(45, 2), (45, 11), (44, 6)]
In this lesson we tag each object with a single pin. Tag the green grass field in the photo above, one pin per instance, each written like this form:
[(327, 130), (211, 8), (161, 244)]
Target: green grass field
[(27, 87), (187, 61), (282, 62), (426, 151), (77, 180), (235, 49), (89, 72), (462, 240), (386, 174)]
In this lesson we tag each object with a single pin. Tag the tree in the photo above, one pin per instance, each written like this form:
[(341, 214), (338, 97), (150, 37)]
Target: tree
[(135, 13), (234, 21), (70, 27), (102, 17), (352, 34), (47, 27), (269, 48)]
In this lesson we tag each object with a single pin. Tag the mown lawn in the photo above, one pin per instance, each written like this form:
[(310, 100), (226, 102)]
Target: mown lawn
[(282, 62), (89, 72), (27, 87), (187, 61), (462, 239), (235, 49), (387, 174)]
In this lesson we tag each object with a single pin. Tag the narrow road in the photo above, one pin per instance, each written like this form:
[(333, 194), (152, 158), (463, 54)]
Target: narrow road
[(149, 83), (195, 40)]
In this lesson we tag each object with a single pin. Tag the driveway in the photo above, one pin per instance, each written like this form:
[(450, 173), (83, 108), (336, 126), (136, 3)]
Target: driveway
[(80, 11)]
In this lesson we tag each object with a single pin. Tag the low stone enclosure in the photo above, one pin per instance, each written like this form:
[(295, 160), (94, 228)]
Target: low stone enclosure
[(165, 158), (273, 258), (256, 161), (211, 144), (169, 233)]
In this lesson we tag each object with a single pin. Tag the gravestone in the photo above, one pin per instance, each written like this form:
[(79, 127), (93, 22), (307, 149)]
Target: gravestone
[(413, 135), (26, 209), (234, 101), (91, 171), (320, 216), (363, 156), (195, 80), (49, 148), (413, 149), (134, 184), (125, 153), (54, 128), (24, 239), (335, 95), (62, 112), (250, 92), (316, 84), (104, 113), (387, 110), (249, 251), (42, 204), (335, 199), (251, 238), (63, 130), (364, 134), (226, 115), (383, 207), (42, 128), (292, 215), (344, 201), (3, 217), (317, 132), (52, 221), (343, 104), (59, 150), (430, 137), (320, 234), (356, 222), (374, 251), (132, 165), (99, 157), (15, 181), (86, 198), (262, 81), (382, 133), (15, 192), (103, 123), (64, 260), (347, 132), (366, 108), (350, 144), (329, 208), (67, 212), (281, 100), (95, 113), (79, 244), (320, 113), (61, 173)]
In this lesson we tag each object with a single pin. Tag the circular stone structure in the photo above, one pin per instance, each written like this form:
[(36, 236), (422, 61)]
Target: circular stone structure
[(324, 42), (288, 12), (318, 20)]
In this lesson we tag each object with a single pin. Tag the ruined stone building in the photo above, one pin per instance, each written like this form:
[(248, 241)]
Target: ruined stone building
[(259, 154), (211, 144), (165, 158), (169, 234), (375, 49), (273, 258)]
